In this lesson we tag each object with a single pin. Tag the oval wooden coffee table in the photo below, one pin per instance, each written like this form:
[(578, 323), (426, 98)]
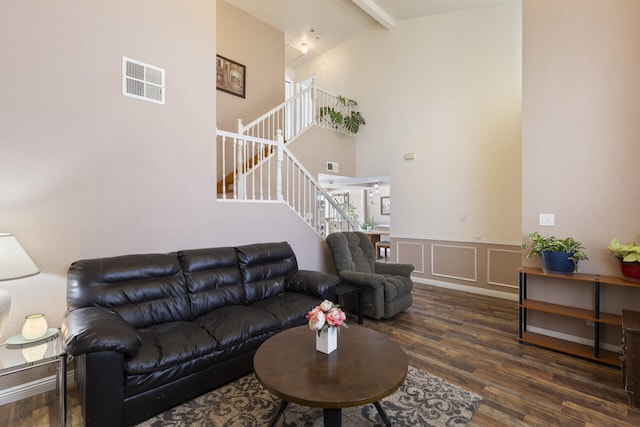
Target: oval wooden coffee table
[(366, 367)]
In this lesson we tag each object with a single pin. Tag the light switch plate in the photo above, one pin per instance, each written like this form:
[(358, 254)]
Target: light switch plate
[(547, 220)]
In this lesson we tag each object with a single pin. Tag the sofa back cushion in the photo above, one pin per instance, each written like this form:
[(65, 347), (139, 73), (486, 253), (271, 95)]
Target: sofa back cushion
[(213, 278), (263, 267), (144, 290)]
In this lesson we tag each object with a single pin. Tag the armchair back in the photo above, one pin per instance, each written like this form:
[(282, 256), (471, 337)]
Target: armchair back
[(352, 250)]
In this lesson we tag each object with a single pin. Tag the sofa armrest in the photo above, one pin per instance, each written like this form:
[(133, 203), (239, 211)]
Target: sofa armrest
[(371, 280), (396, 269), (95, 329), (313, 283)]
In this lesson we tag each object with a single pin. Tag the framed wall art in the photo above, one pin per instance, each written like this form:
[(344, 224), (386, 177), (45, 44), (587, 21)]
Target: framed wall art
[(230, 76), (385, 205)]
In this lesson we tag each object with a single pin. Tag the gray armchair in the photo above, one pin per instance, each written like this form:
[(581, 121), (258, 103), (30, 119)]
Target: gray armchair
[(388, 286)]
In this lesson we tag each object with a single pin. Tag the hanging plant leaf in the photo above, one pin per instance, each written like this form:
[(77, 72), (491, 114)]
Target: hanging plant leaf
[(336, 116), (353, 122)]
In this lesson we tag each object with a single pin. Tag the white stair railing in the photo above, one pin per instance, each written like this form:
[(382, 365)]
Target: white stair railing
[(266, 171), (296, 115), (256, 165)]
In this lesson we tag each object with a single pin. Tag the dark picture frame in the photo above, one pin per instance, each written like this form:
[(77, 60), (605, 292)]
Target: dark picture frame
[(385, 205), (231, 76)]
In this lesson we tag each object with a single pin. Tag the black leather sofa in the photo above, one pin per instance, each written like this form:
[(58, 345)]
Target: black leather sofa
[(151, 331)]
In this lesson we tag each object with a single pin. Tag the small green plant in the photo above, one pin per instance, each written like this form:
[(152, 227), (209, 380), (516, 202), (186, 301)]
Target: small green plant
[(368, 224), (627, 253), (552, 244), (338, 118)]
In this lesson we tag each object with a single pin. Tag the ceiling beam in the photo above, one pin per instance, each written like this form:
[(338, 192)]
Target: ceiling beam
[(376, 12)]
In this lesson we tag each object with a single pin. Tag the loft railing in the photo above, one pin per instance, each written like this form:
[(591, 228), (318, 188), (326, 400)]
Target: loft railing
[(296, 115), (266, 171)]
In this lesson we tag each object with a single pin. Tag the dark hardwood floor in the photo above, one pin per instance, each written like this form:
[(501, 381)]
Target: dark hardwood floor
[(470, 340)]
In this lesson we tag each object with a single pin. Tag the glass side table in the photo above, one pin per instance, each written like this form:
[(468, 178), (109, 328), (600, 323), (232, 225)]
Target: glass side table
[(21, 356)]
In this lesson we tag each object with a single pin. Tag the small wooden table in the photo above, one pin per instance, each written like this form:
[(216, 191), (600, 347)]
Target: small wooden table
[(630, 355), (343, 290), (376, 236), (366, 367)]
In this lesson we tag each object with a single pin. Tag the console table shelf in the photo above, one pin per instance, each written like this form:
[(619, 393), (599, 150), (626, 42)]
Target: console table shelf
[(595, 315), (581, 350)]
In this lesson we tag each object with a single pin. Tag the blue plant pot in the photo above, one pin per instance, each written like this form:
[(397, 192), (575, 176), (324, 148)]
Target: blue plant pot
[(557, 262)]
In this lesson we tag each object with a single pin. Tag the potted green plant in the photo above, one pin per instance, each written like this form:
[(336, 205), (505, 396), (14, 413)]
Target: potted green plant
[(339, 119), (368, 225), (628, 257), (560, 256)]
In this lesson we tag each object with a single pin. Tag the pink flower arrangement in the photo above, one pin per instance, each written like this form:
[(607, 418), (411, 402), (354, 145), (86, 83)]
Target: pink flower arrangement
[(326, 315)]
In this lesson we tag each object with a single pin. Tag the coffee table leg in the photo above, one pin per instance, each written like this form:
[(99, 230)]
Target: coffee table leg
[(383, 414), (281, 409), (332, 417)]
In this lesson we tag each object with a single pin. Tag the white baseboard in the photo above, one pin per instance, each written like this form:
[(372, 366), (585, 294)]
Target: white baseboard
[(22, 391), (466, 288), (571, 338)]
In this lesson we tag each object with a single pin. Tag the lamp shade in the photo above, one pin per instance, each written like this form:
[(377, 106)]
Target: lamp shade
[(14, 264), (14, 261)]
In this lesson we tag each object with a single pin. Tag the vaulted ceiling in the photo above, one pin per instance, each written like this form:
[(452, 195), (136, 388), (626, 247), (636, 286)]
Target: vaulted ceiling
[(321, 25)]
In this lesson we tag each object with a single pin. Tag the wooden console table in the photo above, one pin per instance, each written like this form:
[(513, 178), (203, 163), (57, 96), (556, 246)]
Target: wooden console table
[(595, 315), (631, 356)]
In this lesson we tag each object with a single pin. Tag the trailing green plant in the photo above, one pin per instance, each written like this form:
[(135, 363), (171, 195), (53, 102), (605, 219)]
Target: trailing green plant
[(352, 211), (339, 119), (552, 244), (627, 253)]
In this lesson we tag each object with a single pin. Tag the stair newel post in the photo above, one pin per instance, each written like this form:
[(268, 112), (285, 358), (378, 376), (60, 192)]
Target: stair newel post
[(239, 179), (279, 158), (314, 103)]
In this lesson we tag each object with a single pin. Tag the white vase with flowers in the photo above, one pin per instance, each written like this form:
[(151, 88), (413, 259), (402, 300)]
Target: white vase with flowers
[(326, 319)]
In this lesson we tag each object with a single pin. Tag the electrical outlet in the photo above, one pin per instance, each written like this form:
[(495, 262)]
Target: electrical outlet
[(589, 322)]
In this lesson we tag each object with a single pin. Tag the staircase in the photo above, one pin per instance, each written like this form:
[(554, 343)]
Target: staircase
[(256, 165)]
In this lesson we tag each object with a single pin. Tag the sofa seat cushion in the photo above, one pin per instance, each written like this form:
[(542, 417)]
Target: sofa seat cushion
[(169, 344), (204, 366), (233, 324), (289, 308)]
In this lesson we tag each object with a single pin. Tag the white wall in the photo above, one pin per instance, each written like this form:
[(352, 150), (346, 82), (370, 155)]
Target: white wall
[(258, 46), (87, 172), (448, 88), (581, 87)]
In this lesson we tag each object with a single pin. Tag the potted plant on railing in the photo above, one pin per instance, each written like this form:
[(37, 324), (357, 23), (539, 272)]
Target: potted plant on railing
[(628, 257), (339, 119), (560, 256)]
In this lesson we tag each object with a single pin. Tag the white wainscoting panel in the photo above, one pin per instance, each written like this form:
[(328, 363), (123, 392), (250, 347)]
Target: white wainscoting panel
[(501, 267), (454, 262), (412, 253)]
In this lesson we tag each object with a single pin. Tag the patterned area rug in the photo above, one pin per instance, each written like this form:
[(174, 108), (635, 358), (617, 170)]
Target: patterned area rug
[(423, 400)]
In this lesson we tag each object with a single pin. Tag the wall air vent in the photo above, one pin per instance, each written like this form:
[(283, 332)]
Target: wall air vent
[(332, 167), (142, 81)]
